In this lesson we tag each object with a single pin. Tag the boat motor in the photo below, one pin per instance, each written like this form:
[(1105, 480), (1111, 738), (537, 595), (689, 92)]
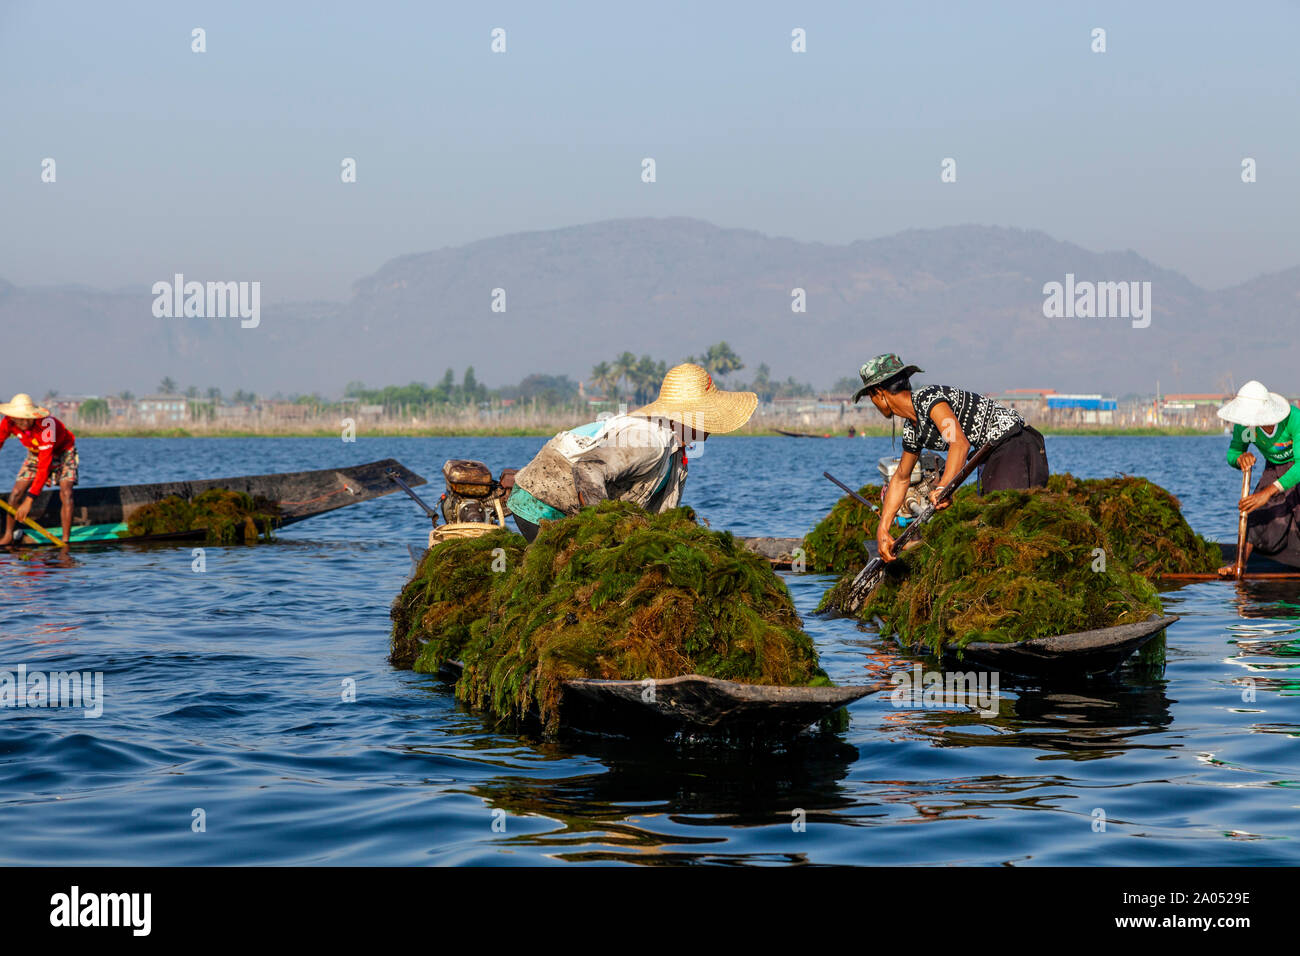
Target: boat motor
[(472, 495), (924, 479)]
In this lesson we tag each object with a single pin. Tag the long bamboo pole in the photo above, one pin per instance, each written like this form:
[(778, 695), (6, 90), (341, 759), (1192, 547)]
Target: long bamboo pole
[(34, 526), (1240, 568)]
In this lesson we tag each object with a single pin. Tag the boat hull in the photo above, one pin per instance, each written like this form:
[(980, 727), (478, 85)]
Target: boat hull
[(103, 514), (693, 704), (1094, 653)]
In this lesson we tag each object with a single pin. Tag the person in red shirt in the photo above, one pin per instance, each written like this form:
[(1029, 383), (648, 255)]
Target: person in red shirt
[(51, 455)]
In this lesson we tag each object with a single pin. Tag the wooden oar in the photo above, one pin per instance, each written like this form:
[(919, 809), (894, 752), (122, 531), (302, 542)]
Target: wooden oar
[(870, 576), (33, 525), (1241, 526)]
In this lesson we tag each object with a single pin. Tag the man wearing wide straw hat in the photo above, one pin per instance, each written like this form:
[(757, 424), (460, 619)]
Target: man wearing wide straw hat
[(1268, 421), (638, 456), (951, 420), (51, 454)]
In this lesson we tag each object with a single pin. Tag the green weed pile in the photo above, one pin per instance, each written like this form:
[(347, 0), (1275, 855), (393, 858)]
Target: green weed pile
[(1016, 565), (1143, 522), (450, 592), (613, 593), (1009, 567), (836, 544), (226, 516)]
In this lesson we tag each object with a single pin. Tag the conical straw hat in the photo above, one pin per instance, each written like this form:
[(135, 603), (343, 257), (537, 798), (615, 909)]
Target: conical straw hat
[(689, 396), (22, 407), (1255, 405)]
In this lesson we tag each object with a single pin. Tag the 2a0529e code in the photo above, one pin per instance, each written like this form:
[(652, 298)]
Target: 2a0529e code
[(1199, 898)]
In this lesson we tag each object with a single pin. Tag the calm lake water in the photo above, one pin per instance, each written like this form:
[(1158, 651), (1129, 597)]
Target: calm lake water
[(223, 694)]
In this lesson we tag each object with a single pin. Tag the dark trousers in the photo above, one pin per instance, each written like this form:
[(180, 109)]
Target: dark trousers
[(1272, 530), (1018, 461), (526, 528)]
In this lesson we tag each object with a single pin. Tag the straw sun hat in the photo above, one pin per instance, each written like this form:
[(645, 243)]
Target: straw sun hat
[(689, 396), (22, 406), (1255, 405)]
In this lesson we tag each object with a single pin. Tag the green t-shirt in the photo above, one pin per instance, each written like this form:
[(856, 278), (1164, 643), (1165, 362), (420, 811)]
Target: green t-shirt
[(1277, 448)]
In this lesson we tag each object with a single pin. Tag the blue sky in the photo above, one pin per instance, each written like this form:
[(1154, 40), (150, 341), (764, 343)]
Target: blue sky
[(227, 163)]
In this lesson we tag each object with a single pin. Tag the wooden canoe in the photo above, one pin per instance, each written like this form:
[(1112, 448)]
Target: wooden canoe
[(1093, 653), (1258, 568), (102, 514), (695, 705), (1086, 653)]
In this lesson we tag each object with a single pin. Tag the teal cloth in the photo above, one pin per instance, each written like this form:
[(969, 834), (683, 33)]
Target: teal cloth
[(524, 505)]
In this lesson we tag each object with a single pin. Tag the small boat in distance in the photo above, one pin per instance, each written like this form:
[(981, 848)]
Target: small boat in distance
[(103, 514), (787, 434)]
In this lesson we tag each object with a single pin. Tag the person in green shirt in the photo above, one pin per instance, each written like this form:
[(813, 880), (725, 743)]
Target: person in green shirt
[(1269, 422)]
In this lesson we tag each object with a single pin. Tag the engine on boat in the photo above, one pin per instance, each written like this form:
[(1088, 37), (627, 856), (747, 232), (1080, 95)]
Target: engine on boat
[(473, 496), (924, 479)]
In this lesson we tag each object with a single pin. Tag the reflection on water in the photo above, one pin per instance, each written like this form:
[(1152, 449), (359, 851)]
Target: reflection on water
[(222, 691), (1267, 641)]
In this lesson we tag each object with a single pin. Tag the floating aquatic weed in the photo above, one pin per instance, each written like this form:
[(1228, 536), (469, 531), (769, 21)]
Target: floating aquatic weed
[(613, 593), (224, 516), (838, 541), (450, 592), (1010, 566), (1143, 522), (1016, 565)]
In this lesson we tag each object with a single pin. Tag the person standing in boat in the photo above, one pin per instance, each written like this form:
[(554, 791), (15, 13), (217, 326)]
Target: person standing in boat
[(51, 455), (952, 420), (638, 456), (1269, 422)]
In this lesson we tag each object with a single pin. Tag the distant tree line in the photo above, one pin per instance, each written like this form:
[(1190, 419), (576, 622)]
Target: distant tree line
[(625, 378), (628, 377)]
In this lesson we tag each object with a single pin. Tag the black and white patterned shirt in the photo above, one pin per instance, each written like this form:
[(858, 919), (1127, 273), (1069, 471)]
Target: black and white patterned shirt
[(981, 419)]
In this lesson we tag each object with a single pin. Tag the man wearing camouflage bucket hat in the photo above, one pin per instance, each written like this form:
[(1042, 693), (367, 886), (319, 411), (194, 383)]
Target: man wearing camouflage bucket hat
[(953, 420)]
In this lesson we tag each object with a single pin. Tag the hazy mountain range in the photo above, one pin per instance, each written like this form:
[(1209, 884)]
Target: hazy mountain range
[(964, 302)]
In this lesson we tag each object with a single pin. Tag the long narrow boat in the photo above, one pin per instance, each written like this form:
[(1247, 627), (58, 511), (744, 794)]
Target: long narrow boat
[(1086, 653), (104, 513), (695, 705), (1258, 568), (1093, 653)]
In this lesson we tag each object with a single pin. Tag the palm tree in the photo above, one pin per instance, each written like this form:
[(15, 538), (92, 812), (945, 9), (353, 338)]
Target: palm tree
[(602, 377), (649, 374), (721, 361), (625, 368)]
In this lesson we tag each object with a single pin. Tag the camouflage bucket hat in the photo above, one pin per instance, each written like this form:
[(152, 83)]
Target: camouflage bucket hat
[(880, 370)]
